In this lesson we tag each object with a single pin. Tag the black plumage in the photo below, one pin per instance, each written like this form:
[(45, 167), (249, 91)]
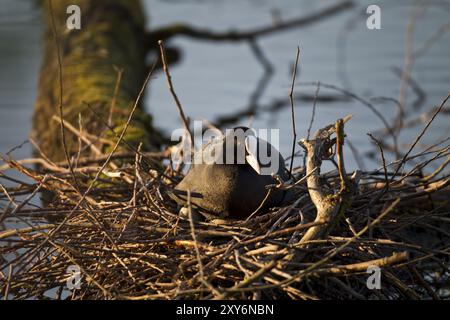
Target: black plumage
[(232, 190)]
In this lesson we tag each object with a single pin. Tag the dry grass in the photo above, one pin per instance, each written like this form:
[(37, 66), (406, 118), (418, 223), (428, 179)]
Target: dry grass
[(130, 243), (110, 215)]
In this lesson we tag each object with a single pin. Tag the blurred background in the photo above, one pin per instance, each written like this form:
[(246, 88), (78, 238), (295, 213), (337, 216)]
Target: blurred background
[(218, 79)]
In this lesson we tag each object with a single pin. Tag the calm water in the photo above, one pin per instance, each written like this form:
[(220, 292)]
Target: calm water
[(215, 79)]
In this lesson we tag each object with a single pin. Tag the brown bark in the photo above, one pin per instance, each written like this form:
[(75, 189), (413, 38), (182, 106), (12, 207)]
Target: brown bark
[(111, 38)]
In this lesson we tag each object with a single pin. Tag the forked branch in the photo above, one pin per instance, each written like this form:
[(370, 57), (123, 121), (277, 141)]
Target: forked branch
[(330, 205)]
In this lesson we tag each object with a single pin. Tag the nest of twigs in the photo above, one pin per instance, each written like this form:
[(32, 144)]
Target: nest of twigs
[(125, 236)]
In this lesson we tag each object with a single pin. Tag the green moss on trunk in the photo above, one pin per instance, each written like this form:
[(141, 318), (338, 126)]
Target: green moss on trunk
[(112, 37)]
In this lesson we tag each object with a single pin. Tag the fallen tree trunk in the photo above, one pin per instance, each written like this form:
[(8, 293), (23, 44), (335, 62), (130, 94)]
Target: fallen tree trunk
[(90, 77)]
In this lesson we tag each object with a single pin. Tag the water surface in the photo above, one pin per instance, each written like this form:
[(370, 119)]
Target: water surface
[(215, 79)]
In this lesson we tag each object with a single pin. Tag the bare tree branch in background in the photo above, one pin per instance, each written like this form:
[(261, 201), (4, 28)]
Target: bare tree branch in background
[(234, 36)]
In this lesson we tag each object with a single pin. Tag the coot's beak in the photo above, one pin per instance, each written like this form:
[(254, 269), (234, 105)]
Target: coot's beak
[(251, 146)]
